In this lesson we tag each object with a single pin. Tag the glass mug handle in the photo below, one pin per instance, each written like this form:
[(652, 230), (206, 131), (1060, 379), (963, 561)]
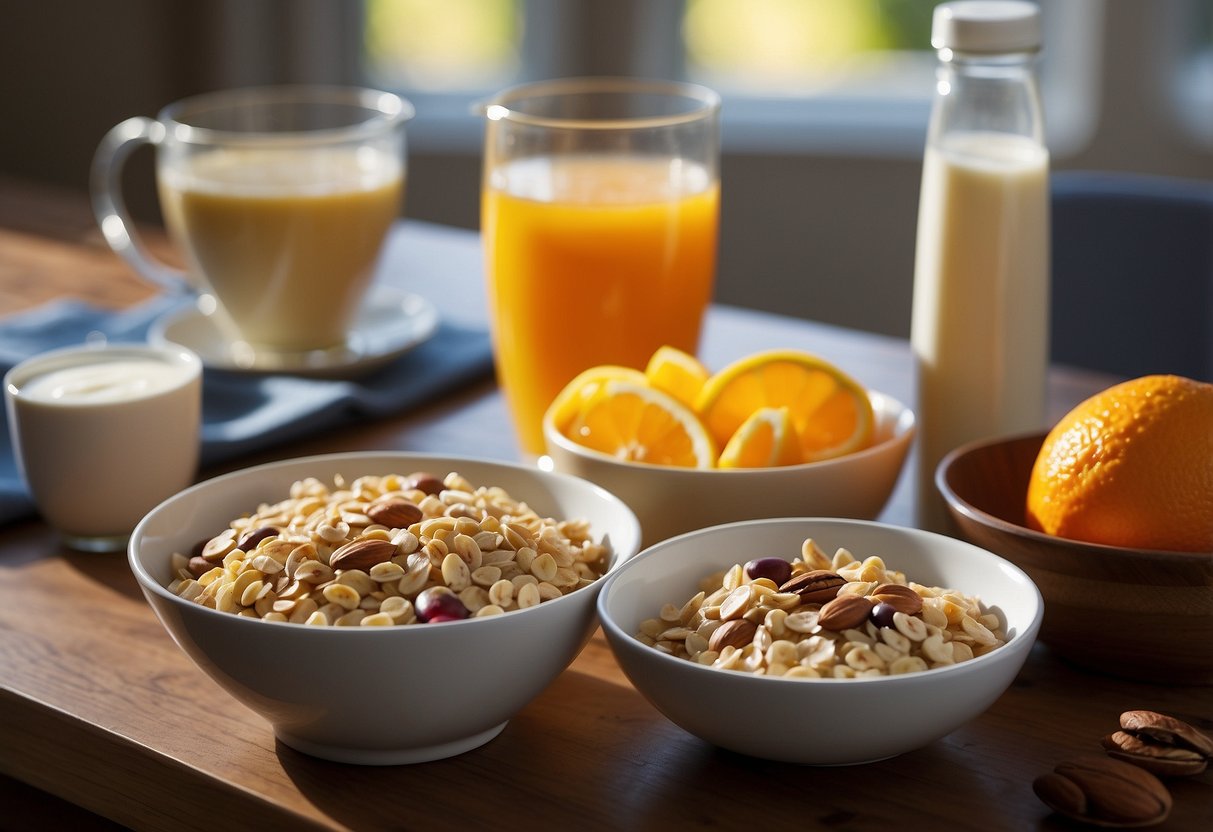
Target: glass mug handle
[(110, 210)]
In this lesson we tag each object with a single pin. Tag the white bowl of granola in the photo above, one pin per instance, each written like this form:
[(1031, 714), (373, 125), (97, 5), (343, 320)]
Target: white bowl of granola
[(819, 641), (383, 608)]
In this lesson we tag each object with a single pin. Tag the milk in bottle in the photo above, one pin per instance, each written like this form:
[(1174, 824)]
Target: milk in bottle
[(981, 278)]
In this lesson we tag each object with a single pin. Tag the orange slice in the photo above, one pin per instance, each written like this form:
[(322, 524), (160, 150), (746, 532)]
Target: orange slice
[(634, 422), (830, 411), (765, 439), (678, 373), (568, 404)]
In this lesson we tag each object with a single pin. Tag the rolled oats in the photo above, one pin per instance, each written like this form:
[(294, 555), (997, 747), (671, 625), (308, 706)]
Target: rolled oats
[(328, 555), (752, 625)]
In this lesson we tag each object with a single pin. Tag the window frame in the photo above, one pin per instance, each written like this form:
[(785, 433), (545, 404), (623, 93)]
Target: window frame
[(1187, 75), (579, 37), (894, 126)]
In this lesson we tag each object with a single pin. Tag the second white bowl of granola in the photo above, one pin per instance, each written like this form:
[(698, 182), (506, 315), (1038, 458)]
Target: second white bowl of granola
[(874, 651), (373, 616)]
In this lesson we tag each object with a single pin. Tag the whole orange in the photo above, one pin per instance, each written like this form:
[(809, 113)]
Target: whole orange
[(1131, 466)]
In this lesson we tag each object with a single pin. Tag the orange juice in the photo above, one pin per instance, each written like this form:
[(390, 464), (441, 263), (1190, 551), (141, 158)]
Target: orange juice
[(593, 260)]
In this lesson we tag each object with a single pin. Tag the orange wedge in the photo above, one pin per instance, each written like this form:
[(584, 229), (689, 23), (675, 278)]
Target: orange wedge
[(635, 422), (569, 402), (764, 440), (829, 411), (678, 373)]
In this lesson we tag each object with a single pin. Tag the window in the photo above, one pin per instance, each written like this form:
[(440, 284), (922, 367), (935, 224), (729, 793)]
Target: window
[(857, 75), (796, 75), (453, 46), (1192, 87), (802, 48)]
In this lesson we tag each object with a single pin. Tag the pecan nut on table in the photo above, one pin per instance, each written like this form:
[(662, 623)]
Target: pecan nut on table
[(1124, 789)]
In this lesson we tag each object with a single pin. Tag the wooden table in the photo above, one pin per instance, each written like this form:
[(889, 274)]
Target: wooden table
[(100, 710)]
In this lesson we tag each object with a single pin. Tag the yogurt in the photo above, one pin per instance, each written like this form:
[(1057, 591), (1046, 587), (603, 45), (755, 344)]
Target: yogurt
[(103, 434), (105, 382)]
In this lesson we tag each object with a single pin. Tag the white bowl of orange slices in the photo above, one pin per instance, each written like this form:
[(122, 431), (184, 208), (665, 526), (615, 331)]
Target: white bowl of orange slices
[(781, 433)]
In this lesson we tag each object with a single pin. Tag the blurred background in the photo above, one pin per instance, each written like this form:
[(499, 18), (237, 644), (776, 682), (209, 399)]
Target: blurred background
[(825, 104)]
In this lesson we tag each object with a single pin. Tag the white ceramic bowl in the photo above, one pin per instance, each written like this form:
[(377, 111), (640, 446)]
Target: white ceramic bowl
[(817, 721), (670, 501), (378, 695)]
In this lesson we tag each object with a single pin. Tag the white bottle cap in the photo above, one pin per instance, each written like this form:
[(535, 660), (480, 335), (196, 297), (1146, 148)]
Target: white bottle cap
[(986, 26)]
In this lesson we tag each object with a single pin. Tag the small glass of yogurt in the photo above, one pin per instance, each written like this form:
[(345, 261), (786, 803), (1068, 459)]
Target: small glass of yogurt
[(102, 434)]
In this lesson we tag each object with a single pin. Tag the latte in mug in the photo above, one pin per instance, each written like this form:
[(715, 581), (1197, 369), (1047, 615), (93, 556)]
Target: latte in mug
[(280, 198), (287, 240)]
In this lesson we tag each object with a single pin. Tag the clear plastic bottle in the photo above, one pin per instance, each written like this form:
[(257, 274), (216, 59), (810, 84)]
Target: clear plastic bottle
[(980, 321)]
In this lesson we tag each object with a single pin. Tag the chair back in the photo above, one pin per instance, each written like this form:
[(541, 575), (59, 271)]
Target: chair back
[(1132, 274)]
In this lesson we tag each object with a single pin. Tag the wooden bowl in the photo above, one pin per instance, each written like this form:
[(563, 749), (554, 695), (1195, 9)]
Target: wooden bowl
[(1138, 614)]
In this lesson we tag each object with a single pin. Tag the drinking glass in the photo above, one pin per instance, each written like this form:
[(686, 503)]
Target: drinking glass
[(599, 213)]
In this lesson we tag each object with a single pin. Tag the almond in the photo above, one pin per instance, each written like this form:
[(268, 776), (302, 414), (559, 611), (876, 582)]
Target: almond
[(1114, 793), (362, 554), (900, 598), (844, 613), (1061, 794), (736, 633), (395, 514)]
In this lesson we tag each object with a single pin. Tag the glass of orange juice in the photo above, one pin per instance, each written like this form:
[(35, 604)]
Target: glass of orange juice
[(599, 213)]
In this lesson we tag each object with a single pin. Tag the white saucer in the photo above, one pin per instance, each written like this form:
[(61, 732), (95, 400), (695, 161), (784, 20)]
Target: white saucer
[(390, 323)]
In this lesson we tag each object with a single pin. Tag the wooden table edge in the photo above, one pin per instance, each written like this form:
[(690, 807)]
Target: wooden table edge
[(152, 784)]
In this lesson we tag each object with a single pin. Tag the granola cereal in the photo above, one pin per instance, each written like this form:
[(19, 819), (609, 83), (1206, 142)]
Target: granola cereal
[(823, 617), (389, 550)]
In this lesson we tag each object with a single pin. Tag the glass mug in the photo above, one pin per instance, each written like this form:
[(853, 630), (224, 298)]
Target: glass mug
[(280, 199), (599, 212)]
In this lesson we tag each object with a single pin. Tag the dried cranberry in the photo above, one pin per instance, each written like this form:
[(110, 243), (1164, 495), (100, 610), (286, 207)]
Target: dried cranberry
[(437, 604), (428, 483), (774, 569), (251, 539), (882, 614)]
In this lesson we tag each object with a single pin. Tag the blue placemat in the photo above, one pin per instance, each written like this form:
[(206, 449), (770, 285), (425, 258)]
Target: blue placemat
[(243, 413)]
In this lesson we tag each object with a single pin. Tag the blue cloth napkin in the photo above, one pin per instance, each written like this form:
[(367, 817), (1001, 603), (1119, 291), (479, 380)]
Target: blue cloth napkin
[(243, 412)]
